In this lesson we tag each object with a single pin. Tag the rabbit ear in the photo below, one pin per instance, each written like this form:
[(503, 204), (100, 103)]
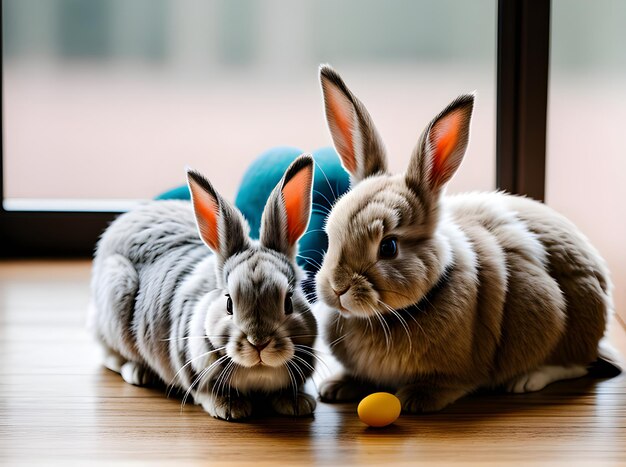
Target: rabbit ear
[(288, 209), (354, 134), (442, 146), (220, 225)]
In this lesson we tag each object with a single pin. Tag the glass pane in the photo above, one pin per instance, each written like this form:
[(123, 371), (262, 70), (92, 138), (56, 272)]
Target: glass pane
[(587, 115), (111, 99)]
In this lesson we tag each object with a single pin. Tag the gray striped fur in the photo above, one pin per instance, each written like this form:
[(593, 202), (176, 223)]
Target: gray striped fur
[(159, 309)]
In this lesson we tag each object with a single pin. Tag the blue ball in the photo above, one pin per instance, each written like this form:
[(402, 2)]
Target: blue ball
[(180, 192), (258, 182), (330, 181)]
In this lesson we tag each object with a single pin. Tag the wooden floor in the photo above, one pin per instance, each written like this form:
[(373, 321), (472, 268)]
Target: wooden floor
[(59, 406)]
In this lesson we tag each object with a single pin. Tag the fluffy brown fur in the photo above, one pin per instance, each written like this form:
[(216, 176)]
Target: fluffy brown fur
[(484, 289)]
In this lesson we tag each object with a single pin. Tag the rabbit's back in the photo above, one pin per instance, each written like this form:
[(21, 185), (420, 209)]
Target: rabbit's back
[(557, 297), (582, 275), (150, 231), (141, 262)]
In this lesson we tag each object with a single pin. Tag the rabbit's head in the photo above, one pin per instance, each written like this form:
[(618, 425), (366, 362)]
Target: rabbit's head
[(385, 246), (258, 315)]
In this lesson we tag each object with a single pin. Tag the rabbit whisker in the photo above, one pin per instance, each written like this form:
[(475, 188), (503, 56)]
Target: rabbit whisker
[(410, 315), (221, 378), (310, 232), (294, 386), (224, 358), (200, 376), (313, 250), (330, 205), (333, 192), (228, 376), (312, 349), (306, 364), (326, 209), (171, 385), (313, 260), (316, 357), (318, 210), (384, 327), (297, 367), (337, 341), (403, 322)]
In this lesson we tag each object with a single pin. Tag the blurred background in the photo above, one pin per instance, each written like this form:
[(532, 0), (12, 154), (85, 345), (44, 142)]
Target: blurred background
[(586, 147), (106, 101), (110, 99)]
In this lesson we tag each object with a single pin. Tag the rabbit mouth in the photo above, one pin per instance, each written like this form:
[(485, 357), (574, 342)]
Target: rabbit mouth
[(350, 307), (258, 361), (270, 355), (351, 297), (354, 303)]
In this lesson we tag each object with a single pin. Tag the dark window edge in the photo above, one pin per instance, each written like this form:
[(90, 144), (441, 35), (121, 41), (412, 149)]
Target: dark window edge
[(522, 96), (51, 234)]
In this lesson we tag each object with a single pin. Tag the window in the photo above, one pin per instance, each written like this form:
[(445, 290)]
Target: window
[(586, 149), (109, 100), (105, 101)]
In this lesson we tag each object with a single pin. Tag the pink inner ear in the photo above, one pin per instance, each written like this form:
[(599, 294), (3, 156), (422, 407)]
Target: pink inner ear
[(206, 209), (445, 137), (296, 198), (340, 117)]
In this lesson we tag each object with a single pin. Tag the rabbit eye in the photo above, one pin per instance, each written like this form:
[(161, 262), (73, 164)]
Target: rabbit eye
[(229, 305), (388, 248), (288, 304)]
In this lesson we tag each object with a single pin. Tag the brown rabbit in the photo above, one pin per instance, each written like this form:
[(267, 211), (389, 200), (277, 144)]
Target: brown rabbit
[(440, 295)]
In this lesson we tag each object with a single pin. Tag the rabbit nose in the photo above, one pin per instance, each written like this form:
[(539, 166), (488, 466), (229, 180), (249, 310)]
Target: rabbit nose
[(340, 292), (258, 346)]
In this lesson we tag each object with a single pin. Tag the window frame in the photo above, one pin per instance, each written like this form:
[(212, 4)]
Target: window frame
[(523, 44), (523, 60)]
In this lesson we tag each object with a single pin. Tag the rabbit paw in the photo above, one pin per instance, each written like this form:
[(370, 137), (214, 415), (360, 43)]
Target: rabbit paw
[(113, 361), (227, 407), (420, 400), (342, 388), (542, 376), (135, 374), (300, 406)]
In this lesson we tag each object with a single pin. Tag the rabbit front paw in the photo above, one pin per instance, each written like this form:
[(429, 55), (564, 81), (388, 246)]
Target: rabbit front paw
[(421, 400), (538, 379), (136, 374), (342, 388), (299, 406), (227, 407)]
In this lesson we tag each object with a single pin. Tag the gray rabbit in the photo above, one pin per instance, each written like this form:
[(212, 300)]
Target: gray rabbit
[(438, 295), (227, 328)]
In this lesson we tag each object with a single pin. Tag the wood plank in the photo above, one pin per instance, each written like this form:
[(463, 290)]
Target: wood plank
[(59, 406)]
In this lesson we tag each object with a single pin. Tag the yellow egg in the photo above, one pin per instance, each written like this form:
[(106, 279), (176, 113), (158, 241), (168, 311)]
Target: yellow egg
[(379, 409)]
